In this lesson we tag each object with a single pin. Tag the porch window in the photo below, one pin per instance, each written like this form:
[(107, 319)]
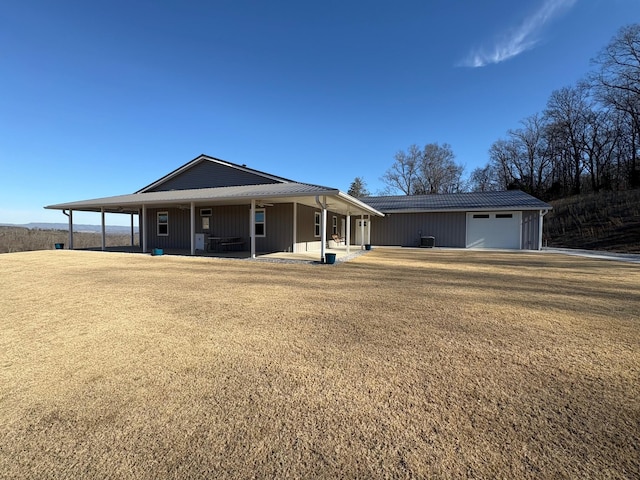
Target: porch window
[(334, 226), (261, 230), (317, 224), (163, 224)]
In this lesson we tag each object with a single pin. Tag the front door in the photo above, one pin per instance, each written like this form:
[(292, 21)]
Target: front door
[(361, 228)]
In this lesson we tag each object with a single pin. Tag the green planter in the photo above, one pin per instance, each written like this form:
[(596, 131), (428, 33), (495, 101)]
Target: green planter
[(330, 258)]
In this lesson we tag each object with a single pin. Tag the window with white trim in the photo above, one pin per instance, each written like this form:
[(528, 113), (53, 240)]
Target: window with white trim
[(334, 226), (261, 222), (163, 224), (316, 224)]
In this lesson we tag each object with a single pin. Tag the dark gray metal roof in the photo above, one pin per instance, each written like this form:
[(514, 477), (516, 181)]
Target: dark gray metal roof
[(293, 191), (205, 171), (476, 201)]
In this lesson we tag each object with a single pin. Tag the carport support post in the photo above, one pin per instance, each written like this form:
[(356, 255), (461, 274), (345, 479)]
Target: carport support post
[(252, 228), (104, 231), (143, 225), (193, 228)]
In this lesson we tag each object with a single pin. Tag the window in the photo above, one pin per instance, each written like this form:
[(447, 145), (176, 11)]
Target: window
[(163, 224), (481, 215), (317, 224), (205, 212), (260, 223), (504, 215), (334, 226), (205, 223)]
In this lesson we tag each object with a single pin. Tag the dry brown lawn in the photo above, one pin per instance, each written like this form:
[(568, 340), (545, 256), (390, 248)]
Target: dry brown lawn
[(399, 364)]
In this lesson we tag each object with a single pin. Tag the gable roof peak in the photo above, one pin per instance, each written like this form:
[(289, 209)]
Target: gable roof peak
[(201, 159)]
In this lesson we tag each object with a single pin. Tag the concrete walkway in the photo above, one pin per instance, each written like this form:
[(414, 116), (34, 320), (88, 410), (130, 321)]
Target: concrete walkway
[(620, 257)]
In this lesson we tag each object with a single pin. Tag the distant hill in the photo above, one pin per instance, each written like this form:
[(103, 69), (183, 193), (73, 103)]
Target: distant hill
[(598, 221), (111, 229)]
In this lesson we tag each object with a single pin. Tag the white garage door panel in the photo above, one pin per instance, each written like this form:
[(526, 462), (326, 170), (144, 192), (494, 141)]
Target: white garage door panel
[(493, 230)]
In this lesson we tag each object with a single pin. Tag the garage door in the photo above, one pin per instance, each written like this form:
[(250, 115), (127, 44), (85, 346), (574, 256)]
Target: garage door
[(493, 230)]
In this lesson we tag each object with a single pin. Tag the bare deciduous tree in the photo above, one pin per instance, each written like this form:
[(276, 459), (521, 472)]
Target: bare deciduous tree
[(402, 174), (427, 171)]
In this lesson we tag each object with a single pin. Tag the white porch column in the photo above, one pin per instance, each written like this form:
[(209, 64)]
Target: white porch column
[(361, 231), (252, 228), (323, 229), (143, 226), (193, 228), (295, 228), (348, 234), (104, 232), (133, 239), (368, 229)]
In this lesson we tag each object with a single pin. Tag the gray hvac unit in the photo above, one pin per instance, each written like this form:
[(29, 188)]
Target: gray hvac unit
[(428, 242)]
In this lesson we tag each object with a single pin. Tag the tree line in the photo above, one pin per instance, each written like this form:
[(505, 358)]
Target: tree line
[(587, 139)]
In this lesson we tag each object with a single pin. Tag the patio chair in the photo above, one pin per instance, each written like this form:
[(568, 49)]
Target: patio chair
[(337, 238)]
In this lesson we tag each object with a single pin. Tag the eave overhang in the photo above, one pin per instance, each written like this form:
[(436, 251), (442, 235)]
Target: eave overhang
[(305, 194)]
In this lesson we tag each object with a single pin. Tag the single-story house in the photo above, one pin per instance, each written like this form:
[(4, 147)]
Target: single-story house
[(209, 202), (212, 203)]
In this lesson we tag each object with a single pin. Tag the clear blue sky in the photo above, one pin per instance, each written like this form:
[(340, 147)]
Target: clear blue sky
[(100, 98)]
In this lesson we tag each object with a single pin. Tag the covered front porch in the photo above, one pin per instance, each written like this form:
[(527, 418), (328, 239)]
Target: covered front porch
[(301, 221)]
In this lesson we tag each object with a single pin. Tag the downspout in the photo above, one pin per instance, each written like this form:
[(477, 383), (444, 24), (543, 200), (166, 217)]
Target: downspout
[(70, 216), (323, 226), (540, 222)]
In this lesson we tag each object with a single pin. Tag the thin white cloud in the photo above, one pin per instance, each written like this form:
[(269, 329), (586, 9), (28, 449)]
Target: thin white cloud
[(520, 39)]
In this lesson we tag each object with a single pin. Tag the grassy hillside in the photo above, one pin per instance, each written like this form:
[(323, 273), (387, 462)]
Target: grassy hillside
[(19, 239), (600, 221)]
